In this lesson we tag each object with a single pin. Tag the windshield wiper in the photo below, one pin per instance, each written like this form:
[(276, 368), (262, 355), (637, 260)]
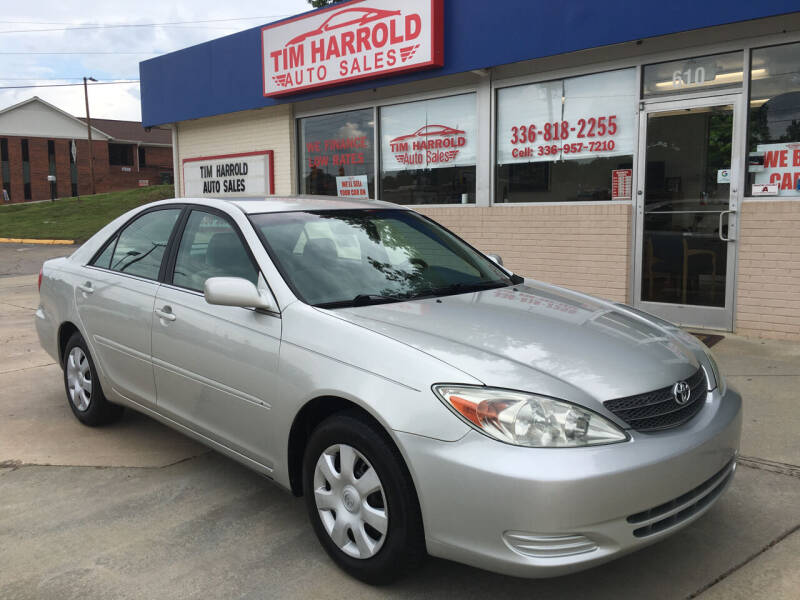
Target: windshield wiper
[(458, 288), (362, 300)]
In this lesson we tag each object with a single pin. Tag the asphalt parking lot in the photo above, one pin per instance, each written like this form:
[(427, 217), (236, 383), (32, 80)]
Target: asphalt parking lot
[(135, 510)]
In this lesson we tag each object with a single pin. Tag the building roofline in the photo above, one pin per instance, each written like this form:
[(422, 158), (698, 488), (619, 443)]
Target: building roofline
[(51, 107)]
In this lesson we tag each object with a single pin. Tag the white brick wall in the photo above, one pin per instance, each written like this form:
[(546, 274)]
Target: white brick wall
[(768, 285), (582, 247), (265, 129)]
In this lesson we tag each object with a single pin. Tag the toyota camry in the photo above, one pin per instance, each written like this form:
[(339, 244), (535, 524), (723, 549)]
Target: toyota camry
[(419, 396)]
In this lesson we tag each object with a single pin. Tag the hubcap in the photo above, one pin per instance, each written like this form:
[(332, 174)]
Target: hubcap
[(351, 501), (79, 379)]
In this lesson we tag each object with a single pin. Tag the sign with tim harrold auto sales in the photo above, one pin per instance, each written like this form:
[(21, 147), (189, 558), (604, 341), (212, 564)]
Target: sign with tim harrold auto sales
[(229, 175), (349, 41)]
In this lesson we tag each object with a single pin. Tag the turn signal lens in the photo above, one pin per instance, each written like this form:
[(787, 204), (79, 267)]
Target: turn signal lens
[(528, 419)]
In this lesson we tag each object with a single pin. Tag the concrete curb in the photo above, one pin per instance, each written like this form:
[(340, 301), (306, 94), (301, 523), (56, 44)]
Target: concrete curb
[(32, 241)]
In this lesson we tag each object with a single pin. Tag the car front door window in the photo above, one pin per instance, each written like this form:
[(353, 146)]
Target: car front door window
[(210, 247)]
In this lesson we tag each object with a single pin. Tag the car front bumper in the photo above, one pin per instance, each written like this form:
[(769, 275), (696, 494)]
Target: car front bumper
[(543, 512)]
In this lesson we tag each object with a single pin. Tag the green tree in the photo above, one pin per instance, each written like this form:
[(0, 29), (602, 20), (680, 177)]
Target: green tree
[(321, 3)]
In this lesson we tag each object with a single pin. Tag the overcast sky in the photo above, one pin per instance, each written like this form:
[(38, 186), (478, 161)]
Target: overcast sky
[(23, 62)]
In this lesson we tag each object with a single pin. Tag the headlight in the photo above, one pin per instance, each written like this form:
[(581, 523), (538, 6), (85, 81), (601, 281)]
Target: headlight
[(527, 419)]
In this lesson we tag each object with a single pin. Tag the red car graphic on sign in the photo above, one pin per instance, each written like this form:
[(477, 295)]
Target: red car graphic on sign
[(346, 18), (430, 130), (430, 144)]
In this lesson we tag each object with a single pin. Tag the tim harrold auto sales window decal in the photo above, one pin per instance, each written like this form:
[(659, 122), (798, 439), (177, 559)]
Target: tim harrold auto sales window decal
[(429, 134), (349, 41)]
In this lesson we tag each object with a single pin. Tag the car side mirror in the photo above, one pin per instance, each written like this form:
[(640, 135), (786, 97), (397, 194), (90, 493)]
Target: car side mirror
[(235, 291), (495, 258)]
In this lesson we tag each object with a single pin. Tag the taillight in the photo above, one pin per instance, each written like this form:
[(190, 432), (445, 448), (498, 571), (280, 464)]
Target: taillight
[(40, 278)]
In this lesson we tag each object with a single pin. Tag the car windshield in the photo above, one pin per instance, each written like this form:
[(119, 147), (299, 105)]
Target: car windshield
[(337, 258)]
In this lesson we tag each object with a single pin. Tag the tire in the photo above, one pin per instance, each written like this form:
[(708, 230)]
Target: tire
[(84, 394), (340, 505)]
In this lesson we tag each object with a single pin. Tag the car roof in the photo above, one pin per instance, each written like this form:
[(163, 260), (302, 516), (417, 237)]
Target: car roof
[(270, 204)]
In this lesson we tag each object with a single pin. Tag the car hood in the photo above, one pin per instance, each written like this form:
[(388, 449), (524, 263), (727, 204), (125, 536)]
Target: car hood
[(538, 338)]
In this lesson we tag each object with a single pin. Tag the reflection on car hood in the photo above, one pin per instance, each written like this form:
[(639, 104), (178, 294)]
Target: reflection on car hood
[(537, 336)]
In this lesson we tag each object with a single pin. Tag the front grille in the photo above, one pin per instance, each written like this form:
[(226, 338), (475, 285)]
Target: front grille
[(691, 502), (658, 409)]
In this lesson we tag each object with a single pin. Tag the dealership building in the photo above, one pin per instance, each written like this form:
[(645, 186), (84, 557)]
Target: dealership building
[(647, 153)]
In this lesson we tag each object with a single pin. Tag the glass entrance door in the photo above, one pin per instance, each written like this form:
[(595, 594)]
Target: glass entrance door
[(686, 203)]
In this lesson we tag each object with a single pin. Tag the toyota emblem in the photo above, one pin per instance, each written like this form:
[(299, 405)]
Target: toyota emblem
[(681, 392)]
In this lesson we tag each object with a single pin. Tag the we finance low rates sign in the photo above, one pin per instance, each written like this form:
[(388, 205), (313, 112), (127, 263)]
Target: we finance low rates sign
[(229, 175), (350, 41)]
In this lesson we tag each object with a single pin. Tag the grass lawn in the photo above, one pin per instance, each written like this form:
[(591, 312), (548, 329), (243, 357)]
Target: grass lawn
[(73, 219)]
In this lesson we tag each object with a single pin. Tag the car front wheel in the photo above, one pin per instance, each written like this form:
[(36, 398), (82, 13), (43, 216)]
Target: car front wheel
[(361, 500)]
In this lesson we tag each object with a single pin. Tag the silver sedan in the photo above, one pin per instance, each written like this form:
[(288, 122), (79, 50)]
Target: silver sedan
[(422, 398)]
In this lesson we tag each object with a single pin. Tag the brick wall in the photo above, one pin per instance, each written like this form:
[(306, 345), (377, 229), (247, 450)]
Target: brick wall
[(768, 284), (40, 168), (269, 128), (158, 157), (63, 179), (584, 247), (108, 178), (15, 169)]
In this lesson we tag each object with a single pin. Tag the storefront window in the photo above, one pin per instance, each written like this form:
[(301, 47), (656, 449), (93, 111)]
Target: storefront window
[(428, 151), (336, 152), (774, 130), (693, 74), (566, 140)]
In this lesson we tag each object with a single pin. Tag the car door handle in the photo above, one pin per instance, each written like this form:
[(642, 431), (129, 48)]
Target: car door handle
[(86, 288), (165, 313)]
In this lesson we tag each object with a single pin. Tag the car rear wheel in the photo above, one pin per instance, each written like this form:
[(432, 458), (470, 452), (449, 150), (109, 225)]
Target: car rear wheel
[(361, 500), (84, 394)]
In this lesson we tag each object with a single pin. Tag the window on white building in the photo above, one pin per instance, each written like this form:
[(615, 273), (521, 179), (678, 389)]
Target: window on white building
[(774, 130), (428, 151), (336, 152), (566, 140)]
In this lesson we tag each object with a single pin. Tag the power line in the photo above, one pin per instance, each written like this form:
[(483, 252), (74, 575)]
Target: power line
[(49, 85), (165, 26), (58, 78), (118, 25), (15, 22), (19, 52)]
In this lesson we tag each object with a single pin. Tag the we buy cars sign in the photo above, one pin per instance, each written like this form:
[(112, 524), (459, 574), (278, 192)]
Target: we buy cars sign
[(349, 41)]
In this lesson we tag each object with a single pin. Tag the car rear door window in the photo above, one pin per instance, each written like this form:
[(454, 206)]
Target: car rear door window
[(141, 245), (211, 247), (104, 258)]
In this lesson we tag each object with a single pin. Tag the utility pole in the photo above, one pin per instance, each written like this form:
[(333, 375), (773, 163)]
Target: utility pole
[(89, 130)]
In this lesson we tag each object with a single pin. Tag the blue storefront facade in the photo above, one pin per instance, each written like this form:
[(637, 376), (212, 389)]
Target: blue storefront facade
[(645, 152)]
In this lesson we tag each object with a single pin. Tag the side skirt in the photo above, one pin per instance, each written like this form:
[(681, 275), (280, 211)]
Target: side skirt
[(256, 466)]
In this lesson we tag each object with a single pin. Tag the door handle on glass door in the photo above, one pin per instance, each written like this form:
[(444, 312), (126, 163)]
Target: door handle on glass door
[(86, 288), (165, 313), (730, 238)]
